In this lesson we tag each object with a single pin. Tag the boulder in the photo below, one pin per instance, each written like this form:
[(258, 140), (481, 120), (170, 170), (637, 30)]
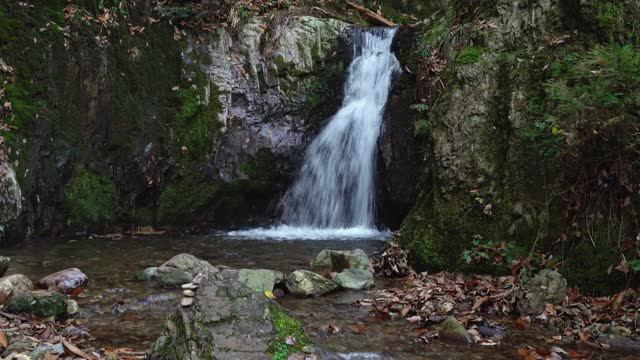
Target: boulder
[(548, 287), (147, 274), (4, 265), (64, 281), (307, 283), (261, 279), (338, 260), (355, 279), (227, 320), (13, 284), (181, 269), (619, 342), (452, 329), (40, 302)]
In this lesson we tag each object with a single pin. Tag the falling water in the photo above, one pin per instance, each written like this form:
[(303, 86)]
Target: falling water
[(333, 195)]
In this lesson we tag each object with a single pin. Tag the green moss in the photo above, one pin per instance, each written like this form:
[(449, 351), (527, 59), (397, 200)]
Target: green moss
[(184, 199), (46, 304), (469, 55), (260, 167), (421, 128), (285, 327), (91, 198)]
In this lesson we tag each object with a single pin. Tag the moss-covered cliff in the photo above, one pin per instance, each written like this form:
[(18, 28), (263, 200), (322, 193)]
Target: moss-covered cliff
[(528, 112)]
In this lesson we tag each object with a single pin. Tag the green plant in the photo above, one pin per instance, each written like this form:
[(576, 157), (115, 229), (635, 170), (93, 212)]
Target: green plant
[(91, 198), (469, 55), (290, 337), (488, 252), (421, 128)]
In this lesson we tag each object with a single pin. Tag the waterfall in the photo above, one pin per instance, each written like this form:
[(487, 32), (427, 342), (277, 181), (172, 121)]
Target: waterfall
[(334, 194)]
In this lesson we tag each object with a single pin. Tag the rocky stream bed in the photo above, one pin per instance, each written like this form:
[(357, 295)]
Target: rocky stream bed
[(438, 316)]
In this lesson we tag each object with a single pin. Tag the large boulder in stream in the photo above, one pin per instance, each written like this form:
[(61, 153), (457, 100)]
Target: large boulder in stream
[(64, 281), (355, 279), (307, 283), (338, 260), (181, 269), (260, 279), (13, 284), (228, 320)]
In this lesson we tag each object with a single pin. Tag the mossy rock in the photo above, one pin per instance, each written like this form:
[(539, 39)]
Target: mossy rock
[(91, 198), (41, 303)]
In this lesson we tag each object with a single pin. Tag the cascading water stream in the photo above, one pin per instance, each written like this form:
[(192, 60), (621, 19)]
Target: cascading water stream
[(333, 195)]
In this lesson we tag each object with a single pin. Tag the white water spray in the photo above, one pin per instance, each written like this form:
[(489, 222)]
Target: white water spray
[(334, 193)]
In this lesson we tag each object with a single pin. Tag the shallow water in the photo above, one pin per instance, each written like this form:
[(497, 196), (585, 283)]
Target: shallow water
[(119, 311)]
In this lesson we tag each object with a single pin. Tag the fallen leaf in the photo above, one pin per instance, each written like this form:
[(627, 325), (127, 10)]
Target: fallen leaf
[(3, 340), (74, 350)]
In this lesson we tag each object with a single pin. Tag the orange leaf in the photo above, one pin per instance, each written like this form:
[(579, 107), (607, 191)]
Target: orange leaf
[(3, 340)]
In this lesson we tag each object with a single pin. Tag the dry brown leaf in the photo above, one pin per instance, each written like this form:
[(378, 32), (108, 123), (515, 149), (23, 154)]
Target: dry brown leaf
[(74, 350)]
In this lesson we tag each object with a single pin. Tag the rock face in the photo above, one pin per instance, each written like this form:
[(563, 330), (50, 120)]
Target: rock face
[(13, 284), (181, 269), (10, 197), (355, 279), (204, 130), (261, 279), (337, 260), (548, 287), (64, 281), (307, 283), (227, 321), (40, 302), (4, 265)]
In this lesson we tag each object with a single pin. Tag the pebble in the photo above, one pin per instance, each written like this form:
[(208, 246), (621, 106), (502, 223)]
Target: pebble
[(186, 301), (72, 307), (189, 293), (189, 286)]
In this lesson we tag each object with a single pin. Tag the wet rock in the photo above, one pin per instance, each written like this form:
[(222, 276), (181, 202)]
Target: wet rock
[(4, 264), (182, 269), (355, 279), (147, 274), (10, 196), (40, 302), (64, 281), (548, 287), (307, 283), (261, 279), (227, 320), (13, 284), (337, 260), (72, 307), (619, 342), (452, 329)]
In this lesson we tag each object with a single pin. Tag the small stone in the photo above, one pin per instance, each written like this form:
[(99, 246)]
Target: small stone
[(186, 301), (189, 293), (308, 349), (189, 286), (72, 307)]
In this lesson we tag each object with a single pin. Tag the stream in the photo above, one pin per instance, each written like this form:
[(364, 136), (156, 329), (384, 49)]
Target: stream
[(120, 311)]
